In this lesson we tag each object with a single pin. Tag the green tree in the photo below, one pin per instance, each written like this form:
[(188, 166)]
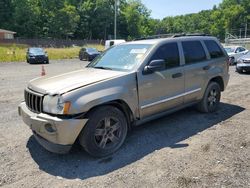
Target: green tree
[(6, 10)]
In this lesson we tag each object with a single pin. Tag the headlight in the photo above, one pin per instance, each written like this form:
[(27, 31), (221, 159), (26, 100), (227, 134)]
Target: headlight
[(239, 61), (55, 105)]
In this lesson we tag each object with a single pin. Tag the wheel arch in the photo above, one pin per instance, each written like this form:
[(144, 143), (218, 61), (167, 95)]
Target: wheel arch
[(219, 80), (121, 105)]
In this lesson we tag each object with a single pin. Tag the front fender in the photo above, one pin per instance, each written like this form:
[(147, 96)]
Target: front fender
[(120, 88), (88, 101)]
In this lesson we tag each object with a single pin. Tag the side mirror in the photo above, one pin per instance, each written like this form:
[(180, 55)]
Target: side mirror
[(155, 65)]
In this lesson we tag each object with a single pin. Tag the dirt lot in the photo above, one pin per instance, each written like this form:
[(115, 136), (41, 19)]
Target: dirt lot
[(186, 149)]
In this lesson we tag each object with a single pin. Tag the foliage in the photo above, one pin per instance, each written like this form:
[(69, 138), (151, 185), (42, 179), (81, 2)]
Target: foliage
[(230, 15), (94, 19)]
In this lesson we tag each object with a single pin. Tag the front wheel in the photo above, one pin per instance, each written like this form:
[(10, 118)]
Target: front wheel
[(104, 132), (211, 98), (239, 70)]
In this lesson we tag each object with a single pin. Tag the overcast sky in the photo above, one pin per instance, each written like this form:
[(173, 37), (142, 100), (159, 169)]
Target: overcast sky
[(163, 8)]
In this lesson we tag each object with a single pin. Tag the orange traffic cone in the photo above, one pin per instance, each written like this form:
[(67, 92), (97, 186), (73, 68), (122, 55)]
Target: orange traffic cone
[(43, 71)]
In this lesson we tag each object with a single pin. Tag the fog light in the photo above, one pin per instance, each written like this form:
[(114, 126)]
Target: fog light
[(50, 128)]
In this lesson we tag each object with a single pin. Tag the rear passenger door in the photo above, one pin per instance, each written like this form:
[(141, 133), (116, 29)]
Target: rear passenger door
[(195, 68)]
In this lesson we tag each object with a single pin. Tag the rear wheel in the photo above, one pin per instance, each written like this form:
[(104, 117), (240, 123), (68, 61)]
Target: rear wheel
[(104, 132), (211, 98)]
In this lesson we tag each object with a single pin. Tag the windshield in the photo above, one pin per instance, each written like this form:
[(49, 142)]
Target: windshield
[(229, 50), (36, 51), (92, 50), (122, 57)]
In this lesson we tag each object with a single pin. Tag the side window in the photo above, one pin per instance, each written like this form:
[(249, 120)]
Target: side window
[(214, 49), (242, 49), (237, 50), (193, 52), (168, 52)]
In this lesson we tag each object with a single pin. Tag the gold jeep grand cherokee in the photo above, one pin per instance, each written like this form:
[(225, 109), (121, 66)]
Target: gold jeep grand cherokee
[(125, 86)]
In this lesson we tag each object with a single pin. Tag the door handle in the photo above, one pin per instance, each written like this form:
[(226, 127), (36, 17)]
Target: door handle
[(206, 67), (177, 75)]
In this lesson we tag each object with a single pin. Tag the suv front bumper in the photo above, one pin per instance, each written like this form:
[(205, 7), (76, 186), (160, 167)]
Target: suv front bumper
[(54, 134), (243, 66)]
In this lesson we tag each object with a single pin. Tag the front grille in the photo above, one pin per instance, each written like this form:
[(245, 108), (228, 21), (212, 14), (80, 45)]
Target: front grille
[(40, 58), (33, 101)]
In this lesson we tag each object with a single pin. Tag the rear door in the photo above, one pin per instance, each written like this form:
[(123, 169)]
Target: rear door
[(196, 68), (162, 90)]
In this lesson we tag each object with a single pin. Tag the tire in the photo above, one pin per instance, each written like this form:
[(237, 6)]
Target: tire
[(104, 132), (239, 70), (211, 98)]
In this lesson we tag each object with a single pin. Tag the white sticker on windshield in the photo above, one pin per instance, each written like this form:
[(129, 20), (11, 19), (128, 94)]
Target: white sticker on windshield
[(138, 51)]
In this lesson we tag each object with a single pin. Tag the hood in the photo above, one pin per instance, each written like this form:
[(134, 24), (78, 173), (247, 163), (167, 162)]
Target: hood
[(231, 53), (70, 81), (37, 54), (247, 59)]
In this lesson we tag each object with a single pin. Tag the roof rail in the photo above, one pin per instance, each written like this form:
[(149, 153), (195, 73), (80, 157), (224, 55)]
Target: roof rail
[(171, 36), (190, 35), (155, 37)]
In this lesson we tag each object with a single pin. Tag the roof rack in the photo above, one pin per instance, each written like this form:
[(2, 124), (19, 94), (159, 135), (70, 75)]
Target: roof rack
[(190, 35), (155, 37), (172, 36)]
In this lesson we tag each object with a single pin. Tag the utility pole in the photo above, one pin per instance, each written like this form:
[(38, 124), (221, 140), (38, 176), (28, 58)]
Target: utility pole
[(115, 24), (246, 30)]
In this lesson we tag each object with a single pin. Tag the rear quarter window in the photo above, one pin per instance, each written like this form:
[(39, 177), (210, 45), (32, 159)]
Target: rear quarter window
[(193, 52), (213, 49)]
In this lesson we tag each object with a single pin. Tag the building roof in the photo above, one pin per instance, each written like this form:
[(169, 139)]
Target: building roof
[(6, 31)]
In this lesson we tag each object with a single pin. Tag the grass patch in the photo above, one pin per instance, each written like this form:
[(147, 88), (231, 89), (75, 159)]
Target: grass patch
[(248, 46), (17, 53)]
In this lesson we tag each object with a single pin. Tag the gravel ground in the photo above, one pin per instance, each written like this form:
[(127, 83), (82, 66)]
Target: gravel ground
[(185, 149)]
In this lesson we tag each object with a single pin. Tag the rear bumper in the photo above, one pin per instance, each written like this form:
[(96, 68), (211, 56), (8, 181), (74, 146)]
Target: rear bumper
[(226, 80), (54, 134)]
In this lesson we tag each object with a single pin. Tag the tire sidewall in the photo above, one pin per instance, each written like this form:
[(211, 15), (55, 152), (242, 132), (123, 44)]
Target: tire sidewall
[(87, 136), (211, 86)]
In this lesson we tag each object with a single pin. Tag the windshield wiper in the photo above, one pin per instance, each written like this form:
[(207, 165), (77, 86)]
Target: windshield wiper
[(105, 68)]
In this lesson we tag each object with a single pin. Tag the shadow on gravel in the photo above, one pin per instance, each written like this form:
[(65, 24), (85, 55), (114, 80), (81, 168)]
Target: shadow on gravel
[(141, 141)]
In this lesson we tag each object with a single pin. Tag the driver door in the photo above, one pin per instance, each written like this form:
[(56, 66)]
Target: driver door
[(162, 90)]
